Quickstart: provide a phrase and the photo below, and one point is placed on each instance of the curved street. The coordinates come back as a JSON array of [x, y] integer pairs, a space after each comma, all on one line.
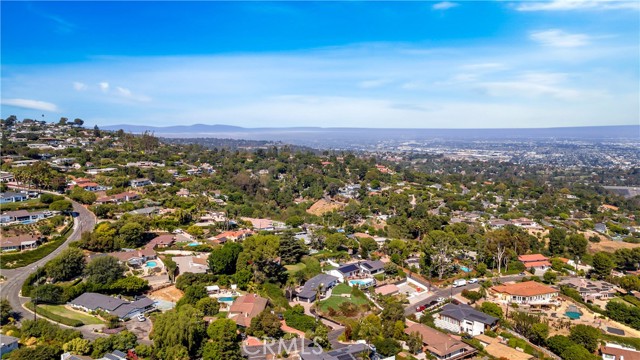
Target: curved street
[[84, 220]]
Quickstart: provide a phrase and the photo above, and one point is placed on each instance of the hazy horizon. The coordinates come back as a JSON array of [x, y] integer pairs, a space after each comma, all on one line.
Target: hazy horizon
[[487, 64]]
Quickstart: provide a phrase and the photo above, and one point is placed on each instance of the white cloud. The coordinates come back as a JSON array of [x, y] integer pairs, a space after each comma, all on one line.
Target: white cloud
[[559, 38], [30, 104], [126, 93], [104, 86], [444, 5], [374, 83], [78, 86], [568, 5]]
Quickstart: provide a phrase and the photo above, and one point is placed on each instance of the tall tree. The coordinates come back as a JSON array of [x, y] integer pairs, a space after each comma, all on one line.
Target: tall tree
[[224, 343], [104, 270]]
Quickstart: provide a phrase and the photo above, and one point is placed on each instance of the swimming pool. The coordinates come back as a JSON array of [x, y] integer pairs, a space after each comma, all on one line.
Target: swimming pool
[[193, 244], [573, 315], [151, 264], [226, 299], [465, 269], [361, 282]]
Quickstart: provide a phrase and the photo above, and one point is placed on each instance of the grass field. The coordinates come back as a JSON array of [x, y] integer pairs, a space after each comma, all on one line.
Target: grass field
[[335, 302], [62, 311], [295, 268], [341, 289]]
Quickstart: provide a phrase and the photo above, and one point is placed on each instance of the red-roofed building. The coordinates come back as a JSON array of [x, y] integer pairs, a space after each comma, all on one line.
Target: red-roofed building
[[538, 262], [527, 293]]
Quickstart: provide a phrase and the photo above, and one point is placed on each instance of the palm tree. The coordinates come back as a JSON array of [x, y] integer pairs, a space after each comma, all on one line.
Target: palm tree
[[318, 293]]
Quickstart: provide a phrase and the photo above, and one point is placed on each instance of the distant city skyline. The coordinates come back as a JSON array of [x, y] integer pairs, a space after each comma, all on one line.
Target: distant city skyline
[[491, 64]]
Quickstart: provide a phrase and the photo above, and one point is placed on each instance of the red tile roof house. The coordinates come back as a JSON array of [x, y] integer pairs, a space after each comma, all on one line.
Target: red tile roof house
[[118, 198], [538, 262], [619, 352], [526, 293], [245, 308], [440, 345]]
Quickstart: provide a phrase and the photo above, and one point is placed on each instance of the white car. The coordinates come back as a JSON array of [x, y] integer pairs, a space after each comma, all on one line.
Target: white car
[[473, 281], [459, 282], [141, 318], [440, 299]]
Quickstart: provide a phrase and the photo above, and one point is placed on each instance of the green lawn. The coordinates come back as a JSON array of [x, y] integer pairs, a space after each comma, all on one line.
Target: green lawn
[[335, 302], [295, 268], [341, 289], [61, 311]]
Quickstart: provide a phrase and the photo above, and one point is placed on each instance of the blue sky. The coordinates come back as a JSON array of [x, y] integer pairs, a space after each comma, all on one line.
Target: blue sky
[[466, 64]]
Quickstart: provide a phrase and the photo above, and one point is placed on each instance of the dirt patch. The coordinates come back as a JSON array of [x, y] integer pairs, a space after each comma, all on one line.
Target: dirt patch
[[323, 206], [610, 246], [169, 293]]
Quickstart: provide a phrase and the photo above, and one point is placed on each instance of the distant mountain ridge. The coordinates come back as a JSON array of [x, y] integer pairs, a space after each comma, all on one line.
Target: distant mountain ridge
[[204, 130]]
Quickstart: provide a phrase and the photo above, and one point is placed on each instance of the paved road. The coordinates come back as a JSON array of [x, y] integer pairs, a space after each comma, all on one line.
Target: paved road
[[449, 291], [84, 221]]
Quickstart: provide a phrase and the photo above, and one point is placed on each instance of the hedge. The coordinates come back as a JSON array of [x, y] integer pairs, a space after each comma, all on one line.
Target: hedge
[[57, 318]]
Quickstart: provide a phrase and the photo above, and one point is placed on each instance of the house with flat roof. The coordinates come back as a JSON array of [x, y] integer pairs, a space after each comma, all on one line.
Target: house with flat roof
[[440, 345], [118, 198], [309, 291], [246, 307], [464, 319], [136, 183], [590, 289], [526, 293]]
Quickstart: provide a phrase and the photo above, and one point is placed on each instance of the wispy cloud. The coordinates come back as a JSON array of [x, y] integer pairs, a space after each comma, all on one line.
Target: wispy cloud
[[78, 86], [104, 86], [126, 93], [373, 83], [559, 38], [568, 5], [30, 104], [444, 5]]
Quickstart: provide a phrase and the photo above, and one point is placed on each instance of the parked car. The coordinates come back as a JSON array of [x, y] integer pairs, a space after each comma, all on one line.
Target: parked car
[[459, 282], [141, 318], [473, 281], [441, 299]]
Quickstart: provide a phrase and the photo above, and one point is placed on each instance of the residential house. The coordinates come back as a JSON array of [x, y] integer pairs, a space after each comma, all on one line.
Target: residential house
[[246, 307], [389, 289], [498, 223], [590, 289], [7, 344], [162, 241], [231, 236], [322, 282], [118, 198], [538, 262], [11, 197], [192, 264], [19, 243], [345, 271], [134, 257], [24, 216], [121, 308], [349, 352], [265, 224], [601, 228], [441, 346], [6, 177], [371, 267], [148, 211], [464, 319], [606, 207], [526, 223], [612, 351], [136, 183], [183, 193], [115, 355], [526, 293]]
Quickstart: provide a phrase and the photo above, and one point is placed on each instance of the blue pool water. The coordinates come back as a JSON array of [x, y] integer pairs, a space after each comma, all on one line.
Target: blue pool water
[[226, 299], [151, 264], [573, 315], [194, 244], [465, 269], [361, 282]]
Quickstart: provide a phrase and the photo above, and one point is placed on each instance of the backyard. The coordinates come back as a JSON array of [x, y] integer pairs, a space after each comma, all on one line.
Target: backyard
[[338, 297]]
